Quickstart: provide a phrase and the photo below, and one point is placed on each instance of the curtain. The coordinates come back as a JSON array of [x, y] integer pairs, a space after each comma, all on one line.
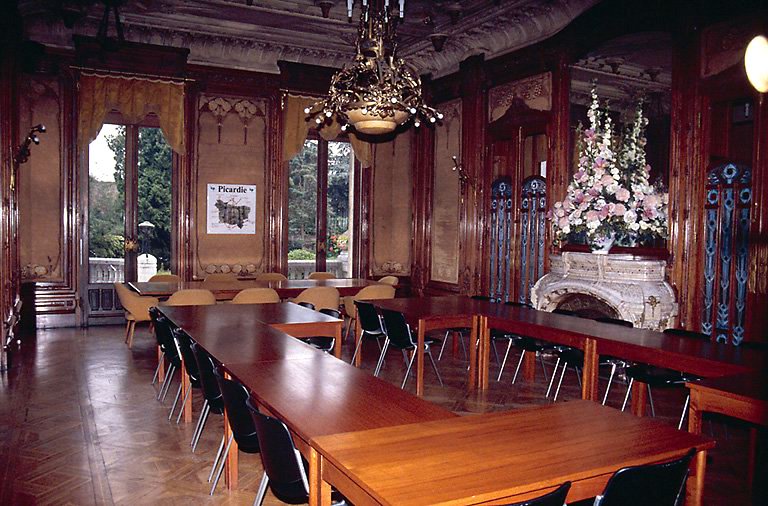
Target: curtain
[[296, 127], [134, 98]]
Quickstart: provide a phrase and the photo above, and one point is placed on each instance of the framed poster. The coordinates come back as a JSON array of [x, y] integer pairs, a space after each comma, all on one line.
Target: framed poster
[[231, 208]]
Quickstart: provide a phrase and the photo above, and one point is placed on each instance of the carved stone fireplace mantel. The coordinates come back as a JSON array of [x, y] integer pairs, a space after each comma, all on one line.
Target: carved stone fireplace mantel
[[632, 288]]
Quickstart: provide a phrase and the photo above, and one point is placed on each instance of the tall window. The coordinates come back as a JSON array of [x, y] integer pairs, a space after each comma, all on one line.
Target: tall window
[[320, 196]]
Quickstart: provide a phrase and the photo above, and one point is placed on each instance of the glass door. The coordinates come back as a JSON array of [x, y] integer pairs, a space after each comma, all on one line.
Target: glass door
[[320, 197], [128, 213]]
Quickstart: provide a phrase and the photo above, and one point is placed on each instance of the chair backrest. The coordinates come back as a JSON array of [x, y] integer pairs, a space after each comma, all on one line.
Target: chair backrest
[[321, 275], [389, 280], [165, 278], [615, 321], [205, 368], [554, 498], [164, 335], [335, 313], [368, 317], [182, 341], [271, 276], [134, 303], [220, 276], [397, 329], [373, 292], [320, 296], [256, 296], [281, 461], [687, 333], [191, 297], [306, 304], [240, 421], [657, 484]]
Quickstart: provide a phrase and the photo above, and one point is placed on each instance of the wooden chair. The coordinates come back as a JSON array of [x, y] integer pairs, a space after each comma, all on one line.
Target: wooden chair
[[389, 280], [165, 278], [219, 277], [322, 275], [191, 297], [256, 296], [271, 276], [320, 296], [136, 309], [658, 484]]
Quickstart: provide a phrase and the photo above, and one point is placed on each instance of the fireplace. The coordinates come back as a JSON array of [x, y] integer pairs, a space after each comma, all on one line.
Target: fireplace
[[615, 286]]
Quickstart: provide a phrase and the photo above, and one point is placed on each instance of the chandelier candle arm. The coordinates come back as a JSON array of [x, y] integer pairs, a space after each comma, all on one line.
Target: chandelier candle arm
[[377, 91]]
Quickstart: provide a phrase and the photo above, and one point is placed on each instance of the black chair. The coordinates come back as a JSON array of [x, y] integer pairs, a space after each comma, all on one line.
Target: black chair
[[243, 429], [285, 470], [658, 377], [657, 484], [165, 342], [524, 343], [323, 343], [458, 332], [399, 335], [615, 363], [307, 305], [554, 498], [566, 355], [370, 325], [213, 401], [182, 341]]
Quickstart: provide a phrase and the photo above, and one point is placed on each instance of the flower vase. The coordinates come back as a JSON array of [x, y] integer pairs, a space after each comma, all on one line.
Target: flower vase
[[601, 245]]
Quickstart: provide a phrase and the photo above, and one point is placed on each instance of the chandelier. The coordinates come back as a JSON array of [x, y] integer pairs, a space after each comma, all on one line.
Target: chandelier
[[378, 91]]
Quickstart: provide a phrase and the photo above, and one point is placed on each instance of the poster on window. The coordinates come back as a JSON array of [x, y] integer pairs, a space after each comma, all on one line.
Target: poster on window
[[231, 208]]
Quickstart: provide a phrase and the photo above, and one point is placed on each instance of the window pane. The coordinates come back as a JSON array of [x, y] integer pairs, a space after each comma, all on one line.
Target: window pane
[[106, 205], [302, 210], [154, 203], [340, 165]]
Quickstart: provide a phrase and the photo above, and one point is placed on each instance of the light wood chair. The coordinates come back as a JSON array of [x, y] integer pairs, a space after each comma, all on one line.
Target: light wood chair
[[191, 297], [220, 276], [136, 309], [389, 280], [271, 276], [165, 278], [256, 296], [371, 292], [322, 275], [322, 297]]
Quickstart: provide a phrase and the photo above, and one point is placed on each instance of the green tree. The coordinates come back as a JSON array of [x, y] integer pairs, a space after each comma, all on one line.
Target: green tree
[[302, 198]]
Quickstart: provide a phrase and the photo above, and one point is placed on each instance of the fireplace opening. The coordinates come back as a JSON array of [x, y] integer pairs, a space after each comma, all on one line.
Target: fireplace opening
[[587, 306]]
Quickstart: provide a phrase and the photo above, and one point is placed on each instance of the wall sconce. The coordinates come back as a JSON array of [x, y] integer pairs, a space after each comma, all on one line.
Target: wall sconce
[[22, 153], [756, 63], [464, 178]]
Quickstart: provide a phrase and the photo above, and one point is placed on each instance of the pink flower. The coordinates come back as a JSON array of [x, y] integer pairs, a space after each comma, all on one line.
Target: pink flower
[[604, 212], [606, 180], [593, 216], [589, 134], [619, 210], [650, 201], [622, 194], [562, 222], [593, 192]]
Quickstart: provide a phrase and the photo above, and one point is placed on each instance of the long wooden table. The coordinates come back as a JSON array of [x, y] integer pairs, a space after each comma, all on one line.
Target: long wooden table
[[742, 396], [510, 456], [226, 290]]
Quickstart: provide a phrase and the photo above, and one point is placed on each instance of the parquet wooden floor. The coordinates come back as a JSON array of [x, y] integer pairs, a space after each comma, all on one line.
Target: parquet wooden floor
[[79, 425]]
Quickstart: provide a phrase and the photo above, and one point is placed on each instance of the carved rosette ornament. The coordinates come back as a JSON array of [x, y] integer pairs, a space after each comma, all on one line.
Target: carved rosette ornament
[[635, 288]]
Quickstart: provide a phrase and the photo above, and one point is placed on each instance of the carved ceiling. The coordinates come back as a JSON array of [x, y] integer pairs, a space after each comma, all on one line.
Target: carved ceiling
[[233, 34]]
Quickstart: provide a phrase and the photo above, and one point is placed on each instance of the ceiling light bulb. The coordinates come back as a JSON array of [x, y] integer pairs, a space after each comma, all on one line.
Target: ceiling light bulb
[[343, 128], [416, 124], [756, 63], [318, 120], [432, 119], [439, 115], [307, 110], [328, 114], [393, 100]]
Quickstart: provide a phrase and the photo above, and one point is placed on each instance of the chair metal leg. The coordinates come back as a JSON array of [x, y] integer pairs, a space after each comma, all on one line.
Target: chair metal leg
[[262, 490], [184, 403], [650, 399], [552, 379], [221, 465], [685, 411], [559, 383], [495, 352], [626, 396], [165, 381], [357, 348], [445, 340], [543, 369], [200, 424], [610, 380], [504, 361], [216, 460], [167, 384], [408, 370], [175, 401], [381, 358], [519, 363], [157, 372], [578, 375], [434, 365]]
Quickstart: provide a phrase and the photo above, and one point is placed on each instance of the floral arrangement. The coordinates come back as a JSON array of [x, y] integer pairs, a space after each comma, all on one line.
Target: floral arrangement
[[610, 196]]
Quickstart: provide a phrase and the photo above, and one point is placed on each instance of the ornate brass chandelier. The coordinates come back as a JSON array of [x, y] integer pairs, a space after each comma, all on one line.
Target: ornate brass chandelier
[[378, 91]]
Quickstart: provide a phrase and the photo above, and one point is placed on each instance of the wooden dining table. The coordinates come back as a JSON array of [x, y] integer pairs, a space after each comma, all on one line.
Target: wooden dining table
[[509, 456], [320, 395], [226, 290]]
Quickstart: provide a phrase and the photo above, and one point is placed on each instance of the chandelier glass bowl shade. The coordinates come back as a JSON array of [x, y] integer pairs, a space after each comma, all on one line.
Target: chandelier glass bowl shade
[[756, 63], [377, 91]]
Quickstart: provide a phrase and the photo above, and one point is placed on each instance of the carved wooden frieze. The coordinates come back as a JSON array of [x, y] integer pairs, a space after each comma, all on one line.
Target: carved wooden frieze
[[536, 92]]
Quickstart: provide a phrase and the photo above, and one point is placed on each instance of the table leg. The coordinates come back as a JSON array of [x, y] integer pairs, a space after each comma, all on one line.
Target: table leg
[[639, 396], [529, 367], [161, 369], [695, 483], [475, 331], [337, 332], [420, 358], [484, 356], [230, 464], [319, 490], [187, 399], [694, 413], [358, 329], [589, 381]]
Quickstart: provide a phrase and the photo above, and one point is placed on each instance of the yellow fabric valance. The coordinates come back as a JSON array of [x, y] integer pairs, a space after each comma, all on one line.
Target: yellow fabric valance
[[296, 127], [134, 98]]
